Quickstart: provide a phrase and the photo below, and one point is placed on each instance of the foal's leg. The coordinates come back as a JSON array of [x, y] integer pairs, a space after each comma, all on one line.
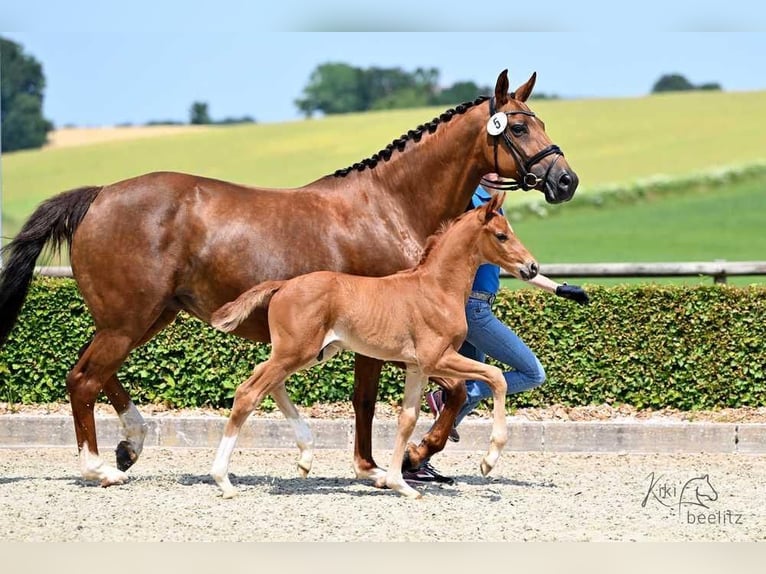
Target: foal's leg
[[303, 436], [436, 437], [408, 417], [302, 431], [266, 376], [453, 364], [366, 377]]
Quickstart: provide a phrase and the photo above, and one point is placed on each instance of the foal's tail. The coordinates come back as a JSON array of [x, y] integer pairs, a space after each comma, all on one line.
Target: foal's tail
[[229, 317], [55, 220]]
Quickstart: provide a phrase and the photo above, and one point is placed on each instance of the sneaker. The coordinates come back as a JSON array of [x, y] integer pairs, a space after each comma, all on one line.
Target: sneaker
[[426, 474], [435, 401]]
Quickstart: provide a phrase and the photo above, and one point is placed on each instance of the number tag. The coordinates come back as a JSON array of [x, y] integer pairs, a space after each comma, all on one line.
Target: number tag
[[497, 124]]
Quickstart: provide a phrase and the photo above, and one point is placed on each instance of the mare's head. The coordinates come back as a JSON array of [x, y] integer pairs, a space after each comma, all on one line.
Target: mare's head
[[498, 243], [520, 149]]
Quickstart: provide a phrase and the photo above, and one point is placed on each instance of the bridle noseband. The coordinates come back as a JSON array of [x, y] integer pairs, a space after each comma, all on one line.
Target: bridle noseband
[[528, 179]]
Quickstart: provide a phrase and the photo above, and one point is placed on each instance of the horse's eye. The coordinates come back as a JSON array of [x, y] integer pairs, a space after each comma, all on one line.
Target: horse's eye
[[501, 236], [518, 129]]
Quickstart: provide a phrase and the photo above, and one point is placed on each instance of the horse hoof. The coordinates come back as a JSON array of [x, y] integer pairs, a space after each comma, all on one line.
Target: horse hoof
[[229, 494], [126, 455], [485, 468], [303, 470], [113, 479], [380, 482]]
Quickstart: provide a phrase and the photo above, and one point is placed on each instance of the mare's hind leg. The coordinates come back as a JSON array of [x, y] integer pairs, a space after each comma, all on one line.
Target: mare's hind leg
[[85, 381], [436, 437], [366, 377], [128, 450]]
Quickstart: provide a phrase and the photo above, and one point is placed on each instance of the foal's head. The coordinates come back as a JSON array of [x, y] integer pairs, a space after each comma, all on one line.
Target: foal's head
[[498, 243]]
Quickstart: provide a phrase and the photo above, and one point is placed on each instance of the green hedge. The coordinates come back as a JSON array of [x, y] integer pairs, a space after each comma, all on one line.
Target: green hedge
[[648, 346]]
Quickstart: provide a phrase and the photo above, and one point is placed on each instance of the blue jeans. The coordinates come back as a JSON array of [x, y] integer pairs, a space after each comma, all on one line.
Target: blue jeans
[[487, 335]]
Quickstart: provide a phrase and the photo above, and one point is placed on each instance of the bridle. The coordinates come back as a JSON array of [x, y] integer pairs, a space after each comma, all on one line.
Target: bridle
[[528, 179]]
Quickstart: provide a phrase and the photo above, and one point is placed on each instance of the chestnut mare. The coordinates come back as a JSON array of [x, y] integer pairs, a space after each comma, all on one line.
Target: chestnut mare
[[145, 248], [415, 317]]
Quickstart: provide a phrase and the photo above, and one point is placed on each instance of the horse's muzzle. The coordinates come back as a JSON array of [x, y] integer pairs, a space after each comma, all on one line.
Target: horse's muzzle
[[561, 187], [529, 270]]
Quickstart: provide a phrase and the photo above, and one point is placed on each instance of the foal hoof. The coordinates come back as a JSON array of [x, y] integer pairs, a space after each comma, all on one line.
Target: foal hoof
[[126, 455], [485, 468], [113, 477], [303, 470]]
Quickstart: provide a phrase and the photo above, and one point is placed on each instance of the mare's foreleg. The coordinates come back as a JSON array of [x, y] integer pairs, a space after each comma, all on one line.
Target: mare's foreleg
[[366, 377], [436, 437]]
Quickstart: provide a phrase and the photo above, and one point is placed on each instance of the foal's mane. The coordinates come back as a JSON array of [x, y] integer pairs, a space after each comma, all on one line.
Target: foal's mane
[[415, 135], [434, 239]]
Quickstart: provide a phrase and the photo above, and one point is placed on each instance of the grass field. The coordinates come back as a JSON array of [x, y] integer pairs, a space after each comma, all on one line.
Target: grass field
[[606, 141], [722, 224]]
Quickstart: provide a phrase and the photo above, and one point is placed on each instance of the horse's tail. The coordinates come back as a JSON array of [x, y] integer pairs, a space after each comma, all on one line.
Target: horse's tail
[[229, 317], [55, 220]]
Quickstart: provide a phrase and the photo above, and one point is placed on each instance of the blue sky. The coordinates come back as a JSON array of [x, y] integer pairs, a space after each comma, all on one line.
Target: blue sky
[[108, 63]]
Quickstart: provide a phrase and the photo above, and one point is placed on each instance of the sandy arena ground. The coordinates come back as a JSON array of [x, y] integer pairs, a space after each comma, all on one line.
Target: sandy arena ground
[[529, 496]]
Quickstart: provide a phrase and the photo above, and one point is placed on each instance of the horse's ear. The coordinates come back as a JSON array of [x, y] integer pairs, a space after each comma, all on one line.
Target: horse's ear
[[525, 90], [493, 205], [501, 89]]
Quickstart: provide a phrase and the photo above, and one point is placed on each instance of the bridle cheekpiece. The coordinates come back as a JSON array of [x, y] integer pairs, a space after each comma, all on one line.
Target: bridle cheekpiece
[[497, 127]]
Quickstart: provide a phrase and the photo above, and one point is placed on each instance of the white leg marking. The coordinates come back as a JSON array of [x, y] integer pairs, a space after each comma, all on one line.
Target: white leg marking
[[303, 436], [93, 468], [499, 435], [220, 470], [135, 428], [413, 391]]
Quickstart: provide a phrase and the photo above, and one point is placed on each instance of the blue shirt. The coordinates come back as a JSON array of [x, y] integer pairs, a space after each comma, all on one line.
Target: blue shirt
[[487, 277]]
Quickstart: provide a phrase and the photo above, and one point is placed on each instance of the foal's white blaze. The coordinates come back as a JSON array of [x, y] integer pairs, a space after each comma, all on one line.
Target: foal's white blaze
[[220, 470], [93, 468], [135, 427]]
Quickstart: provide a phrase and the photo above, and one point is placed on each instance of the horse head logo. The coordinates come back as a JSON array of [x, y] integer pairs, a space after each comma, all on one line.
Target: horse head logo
[[697, 492]]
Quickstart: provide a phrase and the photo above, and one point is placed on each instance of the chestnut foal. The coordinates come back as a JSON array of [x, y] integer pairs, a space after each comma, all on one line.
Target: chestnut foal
[[416, 317]]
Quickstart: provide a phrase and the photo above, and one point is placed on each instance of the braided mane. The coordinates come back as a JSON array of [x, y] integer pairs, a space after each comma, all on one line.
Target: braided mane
[[415, 135]]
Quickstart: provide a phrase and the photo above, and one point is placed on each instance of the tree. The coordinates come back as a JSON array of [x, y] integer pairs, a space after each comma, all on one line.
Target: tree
[[21, 103], [457, 93], [677, 83], [333, 88], [198, 113]]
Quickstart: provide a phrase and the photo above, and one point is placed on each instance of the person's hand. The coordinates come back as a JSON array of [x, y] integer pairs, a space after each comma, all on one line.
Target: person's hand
[[573, 292]]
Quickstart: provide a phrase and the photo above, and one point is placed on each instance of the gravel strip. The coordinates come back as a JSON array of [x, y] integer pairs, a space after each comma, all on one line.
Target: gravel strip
[[530, 496]]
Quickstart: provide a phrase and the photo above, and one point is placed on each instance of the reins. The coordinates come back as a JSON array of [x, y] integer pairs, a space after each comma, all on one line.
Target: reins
[[497, 127]]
